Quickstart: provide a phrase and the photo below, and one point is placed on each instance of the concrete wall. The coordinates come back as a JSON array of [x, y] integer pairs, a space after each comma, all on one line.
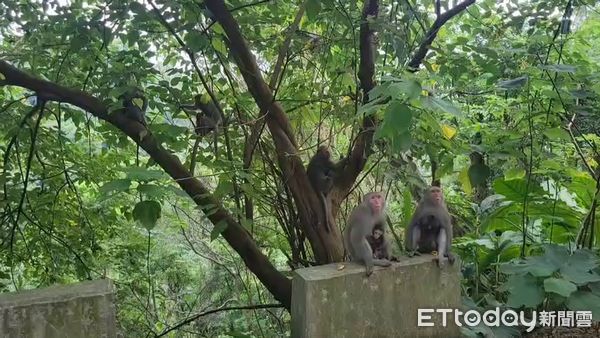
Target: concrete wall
[[328, 302], [83, 310]]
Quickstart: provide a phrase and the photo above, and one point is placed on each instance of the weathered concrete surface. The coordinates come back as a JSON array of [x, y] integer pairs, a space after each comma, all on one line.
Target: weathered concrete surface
[[83, 310], [327, 302]]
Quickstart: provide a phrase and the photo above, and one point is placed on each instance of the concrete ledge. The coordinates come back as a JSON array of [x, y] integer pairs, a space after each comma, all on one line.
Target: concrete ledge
[[327, 302], [79, 310]]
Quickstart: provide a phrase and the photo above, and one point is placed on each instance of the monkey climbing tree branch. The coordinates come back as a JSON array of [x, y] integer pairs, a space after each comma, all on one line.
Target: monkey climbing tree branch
[[326, 246], [234, 233]]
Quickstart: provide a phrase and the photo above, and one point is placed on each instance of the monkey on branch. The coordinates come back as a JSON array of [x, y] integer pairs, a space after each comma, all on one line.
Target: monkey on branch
[[208, 118], [321, 171], [135, 105]]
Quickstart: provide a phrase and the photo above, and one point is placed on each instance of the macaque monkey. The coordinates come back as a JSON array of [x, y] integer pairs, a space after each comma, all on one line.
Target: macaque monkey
[[363, 219], [207, 115], [431, 228], [135, 105], [321, 171], [379, 244]]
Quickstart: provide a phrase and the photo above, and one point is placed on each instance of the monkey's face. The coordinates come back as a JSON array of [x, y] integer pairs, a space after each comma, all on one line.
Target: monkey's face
[[376, 202], [377, 233], [435, 195], [323, 151]]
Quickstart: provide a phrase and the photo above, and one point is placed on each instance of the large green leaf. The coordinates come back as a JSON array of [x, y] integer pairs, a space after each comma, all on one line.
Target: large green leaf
[[478, 174], [398, 118], [436, 104], [560, 286], [116, 186], [524, 290], [516, 189], [147, 213], [585, 301]]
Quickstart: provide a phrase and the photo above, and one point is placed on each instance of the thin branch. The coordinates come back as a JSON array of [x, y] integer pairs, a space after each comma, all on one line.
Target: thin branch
[[219, 309], [440, 20]]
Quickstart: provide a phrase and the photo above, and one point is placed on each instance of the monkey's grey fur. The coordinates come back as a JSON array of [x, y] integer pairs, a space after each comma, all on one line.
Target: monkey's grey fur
[[431, 228], [360, 225]]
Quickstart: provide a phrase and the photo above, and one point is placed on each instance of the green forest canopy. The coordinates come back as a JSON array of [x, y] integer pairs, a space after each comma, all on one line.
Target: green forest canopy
[[496, 100]]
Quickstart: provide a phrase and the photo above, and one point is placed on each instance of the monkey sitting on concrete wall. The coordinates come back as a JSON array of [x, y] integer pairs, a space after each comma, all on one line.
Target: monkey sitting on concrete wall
[[362, 221], [431, 228]]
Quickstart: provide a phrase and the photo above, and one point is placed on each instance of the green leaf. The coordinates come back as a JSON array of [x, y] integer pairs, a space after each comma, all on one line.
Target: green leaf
[[218, 229], [436, 104], [196, 41], [559, 68], [116, 186], [147, 213], [152, 190], [557, 134], [401, 143], [143, 174], [465, 181], [559, 286], [313, 7], [479, 173], [578, 276], [398, 117], [595, 288], [585, 301], [514, 83], [514, 173], [219, 46], [524, 290], [410, 89], [515, 190]]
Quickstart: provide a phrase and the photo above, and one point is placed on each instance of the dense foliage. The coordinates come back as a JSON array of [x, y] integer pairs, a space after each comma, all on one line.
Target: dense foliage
[[497, 100]]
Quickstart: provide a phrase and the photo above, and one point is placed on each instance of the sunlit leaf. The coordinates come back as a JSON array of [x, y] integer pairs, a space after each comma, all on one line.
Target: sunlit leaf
[[448, 131]]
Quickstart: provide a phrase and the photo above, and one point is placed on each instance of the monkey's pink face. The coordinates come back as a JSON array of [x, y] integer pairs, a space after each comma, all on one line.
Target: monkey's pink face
[[376, 202], [436, 195]]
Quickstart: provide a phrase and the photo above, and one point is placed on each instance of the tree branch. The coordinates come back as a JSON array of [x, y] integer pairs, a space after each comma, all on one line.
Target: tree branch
[[259, 124], [234, 234], [357, 159], [219, 309], [440, 20], [326, 246]]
